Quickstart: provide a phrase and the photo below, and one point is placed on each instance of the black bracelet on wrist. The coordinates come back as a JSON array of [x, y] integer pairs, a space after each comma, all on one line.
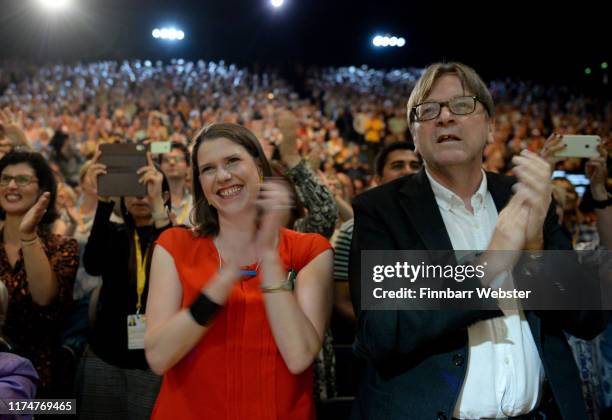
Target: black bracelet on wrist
[[603, 203], [203, 310]]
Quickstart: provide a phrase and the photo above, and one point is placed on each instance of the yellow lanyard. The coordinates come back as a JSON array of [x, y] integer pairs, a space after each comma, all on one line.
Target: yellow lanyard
[[183, 213], [141, 272]]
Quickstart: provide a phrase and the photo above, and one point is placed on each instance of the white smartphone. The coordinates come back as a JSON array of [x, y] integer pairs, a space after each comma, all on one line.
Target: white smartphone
[[160, 147], [579, 146]]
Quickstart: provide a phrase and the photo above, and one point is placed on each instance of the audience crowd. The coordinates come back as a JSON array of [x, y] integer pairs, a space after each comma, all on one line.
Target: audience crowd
[[331, 144]]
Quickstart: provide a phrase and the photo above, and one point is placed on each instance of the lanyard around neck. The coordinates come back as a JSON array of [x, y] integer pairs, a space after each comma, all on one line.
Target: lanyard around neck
[[183, 213], [141, 274]]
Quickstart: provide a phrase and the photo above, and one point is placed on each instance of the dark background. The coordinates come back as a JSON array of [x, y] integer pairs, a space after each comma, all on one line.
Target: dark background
[[551, 42]]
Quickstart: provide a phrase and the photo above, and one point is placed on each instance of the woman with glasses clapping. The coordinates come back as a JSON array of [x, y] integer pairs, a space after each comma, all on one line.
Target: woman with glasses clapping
[[37, 267]]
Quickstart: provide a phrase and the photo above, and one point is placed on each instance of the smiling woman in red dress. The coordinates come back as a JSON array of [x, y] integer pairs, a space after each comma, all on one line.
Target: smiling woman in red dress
[[230, 326]]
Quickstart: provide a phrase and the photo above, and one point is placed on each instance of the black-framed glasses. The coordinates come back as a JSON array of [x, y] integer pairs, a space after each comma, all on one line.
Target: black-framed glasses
[[459, 105], [20, 180]]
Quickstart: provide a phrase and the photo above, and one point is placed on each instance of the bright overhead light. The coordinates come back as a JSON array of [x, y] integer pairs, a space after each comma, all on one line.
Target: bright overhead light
[[388, 41], [277, 3], [54, 4], [171, 34]]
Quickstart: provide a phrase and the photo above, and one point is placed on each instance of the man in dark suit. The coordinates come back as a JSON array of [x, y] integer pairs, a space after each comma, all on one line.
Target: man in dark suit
[[458, 363]]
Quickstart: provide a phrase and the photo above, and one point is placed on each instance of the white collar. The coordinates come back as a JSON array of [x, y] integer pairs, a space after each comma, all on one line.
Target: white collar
[[448, 199]]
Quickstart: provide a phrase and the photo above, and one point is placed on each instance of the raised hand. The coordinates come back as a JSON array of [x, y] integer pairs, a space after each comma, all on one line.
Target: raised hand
[[288, 126], [13, 127], [597, 172], [552, 145], [96, 169], [510, 232], [32, 218], [534, 175], [275, 201], [153, 179]]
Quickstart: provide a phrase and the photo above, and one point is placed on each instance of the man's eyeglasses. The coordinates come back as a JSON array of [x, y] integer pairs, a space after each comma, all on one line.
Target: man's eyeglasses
[[460, 105], [20, 180], [175, 159]]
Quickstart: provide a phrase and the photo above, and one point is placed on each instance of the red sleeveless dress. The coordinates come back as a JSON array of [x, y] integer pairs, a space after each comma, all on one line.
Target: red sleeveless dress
[[235, 372]]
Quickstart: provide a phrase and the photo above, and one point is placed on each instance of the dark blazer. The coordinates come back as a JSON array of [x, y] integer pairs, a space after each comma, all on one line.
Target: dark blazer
[[417, 360]]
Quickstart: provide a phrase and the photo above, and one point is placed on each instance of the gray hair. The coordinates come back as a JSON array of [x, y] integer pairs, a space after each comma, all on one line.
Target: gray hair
[[470, 80]]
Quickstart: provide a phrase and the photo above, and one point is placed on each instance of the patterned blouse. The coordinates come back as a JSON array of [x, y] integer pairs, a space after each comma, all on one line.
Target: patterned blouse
[[321, 219], [318, 200], [35, 330]]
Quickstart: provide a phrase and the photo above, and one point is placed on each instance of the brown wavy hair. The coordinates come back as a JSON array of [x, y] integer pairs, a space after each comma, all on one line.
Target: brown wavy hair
[[205, 218]]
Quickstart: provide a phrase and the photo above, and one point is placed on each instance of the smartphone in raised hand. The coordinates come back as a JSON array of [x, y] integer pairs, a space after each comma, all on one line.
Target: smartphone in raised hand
[[122, 161], [579, 146], [160, 147]]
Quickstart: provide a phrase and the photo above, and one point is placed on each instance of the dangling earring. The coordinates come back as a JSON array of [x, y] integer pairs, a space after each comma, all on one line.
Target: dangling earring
[[261, 178]]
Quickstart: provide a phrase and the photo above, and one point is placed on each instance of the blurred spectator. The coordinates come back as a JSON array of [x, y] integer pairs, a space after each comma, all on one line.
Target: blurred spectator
[[393, 161], [17, 375], [176, 166], [65, 157], [11, 132]]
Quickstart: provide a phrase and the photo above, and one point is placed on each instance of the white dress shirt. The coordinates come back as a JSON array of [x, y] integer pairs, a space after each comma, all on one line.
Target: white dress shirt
[[504, 372]]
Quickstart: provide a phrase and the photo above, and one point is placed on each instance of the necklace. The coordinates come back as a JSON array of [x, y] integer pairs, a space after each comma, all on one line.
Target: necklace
[[243, 272]]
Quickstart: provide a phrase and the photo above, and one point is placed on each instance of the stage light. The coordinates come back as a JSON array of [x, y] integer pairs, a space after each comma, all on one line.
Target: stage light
[[54, 4], [587, 71], [277, 3], [170, 34], [604, 65], [388, 41]]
